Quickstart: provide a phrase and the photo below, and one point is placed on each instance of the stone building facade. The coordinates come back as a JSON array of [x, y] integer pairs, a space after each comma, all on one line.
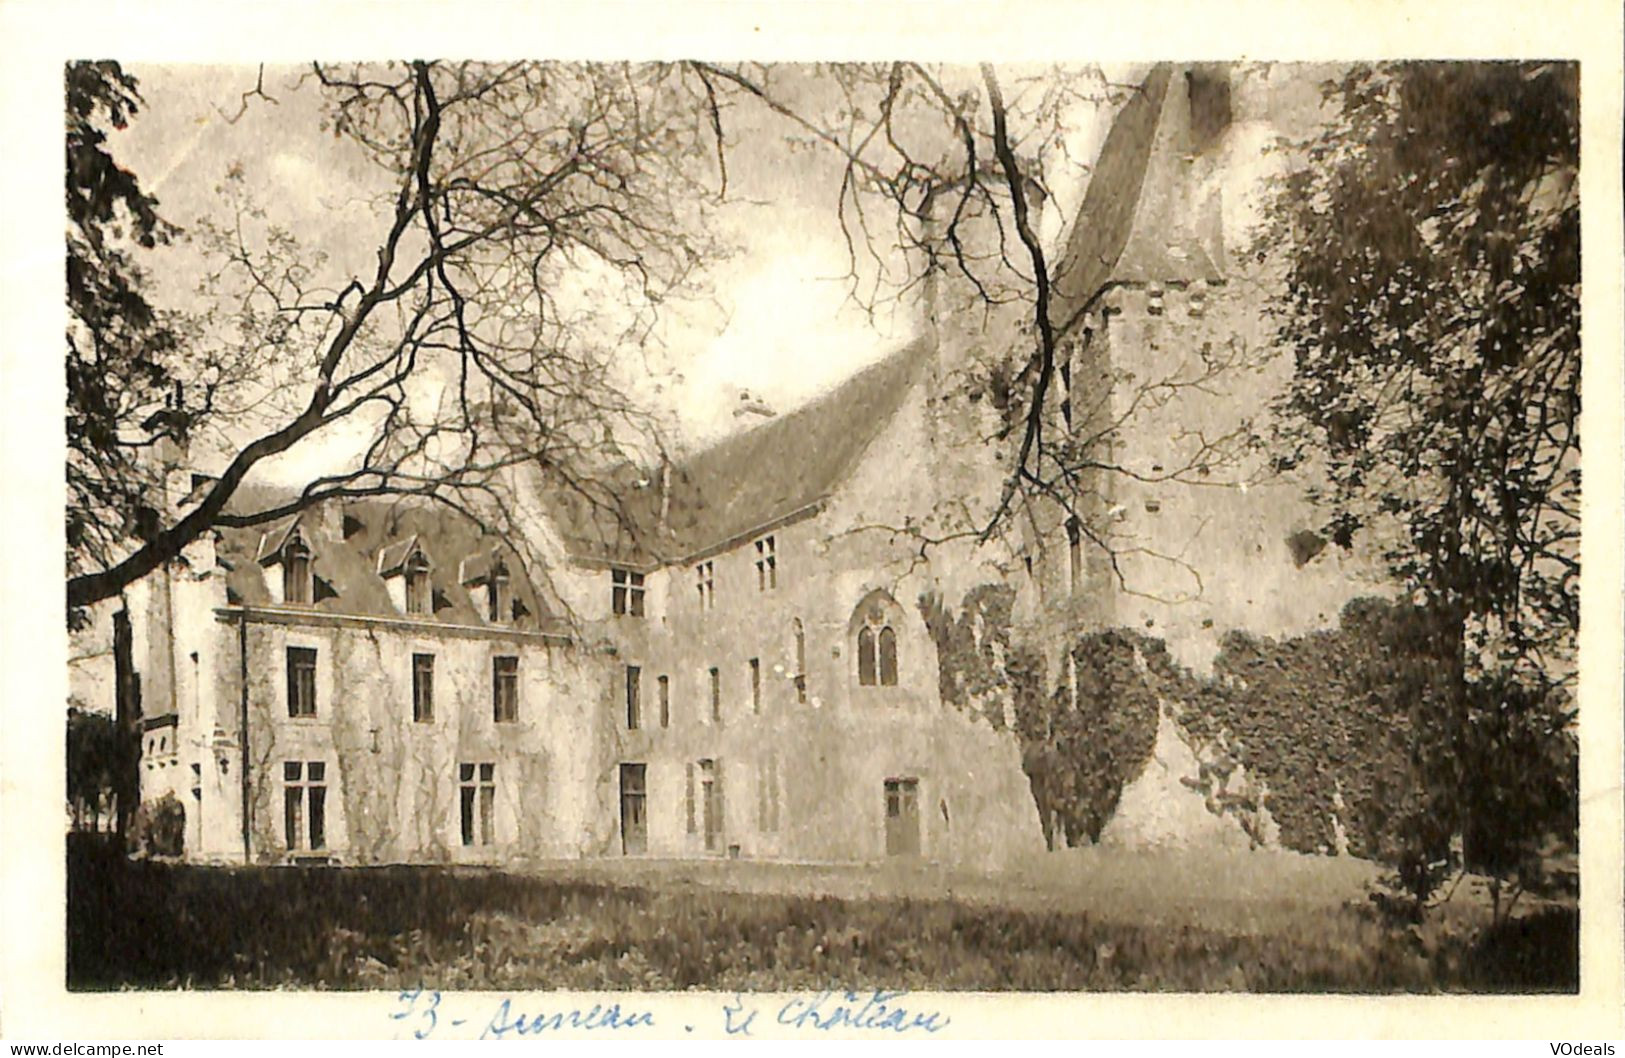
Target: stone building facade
[[739, 662]]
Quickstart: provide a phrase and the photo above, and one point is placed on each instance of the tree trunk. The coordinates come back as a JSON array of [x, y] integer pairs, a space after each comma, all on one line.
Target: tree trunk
[[126, 761]]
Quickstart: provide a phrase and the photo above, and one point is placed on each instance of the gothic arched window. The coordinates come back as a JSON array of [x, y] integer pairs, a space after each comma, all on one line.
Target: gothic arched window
[[888, 657], [873, 629], [866, 657]]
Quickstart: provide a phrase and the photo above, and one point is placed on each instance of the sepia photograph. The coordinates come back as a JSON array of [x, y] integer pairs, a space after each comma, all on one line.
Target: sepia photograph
[[1187, 487], [844, 533]]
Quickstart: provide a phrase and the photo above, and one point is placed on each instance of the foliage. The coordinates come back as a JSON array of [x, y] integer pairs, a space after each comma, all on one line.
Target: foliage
[[1320, 720], [1321, 725], [1079, 748], [972, 649], [1096, 737], [120, 349], [531, 221], [97, 751], [149, 924], [1433, 307], [160, 827]]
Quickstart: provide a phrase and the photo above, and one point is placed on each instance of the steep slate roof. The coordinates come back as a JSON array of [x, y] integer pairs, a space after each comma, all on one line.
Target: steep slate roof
[[786, 464], [1138, 222], [748, 481], [350, 564], [393, 557]]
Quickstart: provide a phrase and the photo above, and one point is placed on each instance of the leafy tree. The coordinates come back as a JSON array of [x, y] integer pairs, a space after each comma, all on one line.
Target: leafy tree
[[96, 753], [1432, 304], [120, 348]]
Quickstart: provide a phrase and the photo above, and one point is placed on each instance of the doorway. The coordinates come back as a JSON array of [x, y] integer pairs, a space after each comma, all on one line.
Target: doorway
[[902, 817], [634, 809]]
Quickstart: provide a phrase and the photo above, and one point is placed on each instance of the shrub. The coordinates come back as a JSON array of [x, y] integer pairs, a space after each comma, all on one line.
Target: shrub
[[160, 827]]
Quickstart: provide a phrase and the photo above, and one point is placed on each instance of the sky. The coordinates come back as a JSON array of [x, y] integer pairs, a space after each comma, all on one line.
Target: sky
[[781, 323]]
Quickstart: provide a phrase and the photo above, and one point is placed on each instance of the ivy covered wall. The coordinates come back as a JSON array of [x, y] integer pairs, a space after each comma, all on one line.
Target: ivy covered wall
[[1304, 741]]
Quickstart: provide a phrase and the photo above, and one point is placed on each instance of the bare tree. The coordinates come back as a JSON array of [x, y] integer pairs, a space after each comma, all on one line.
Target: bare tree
[[537, 217], [944, 174]]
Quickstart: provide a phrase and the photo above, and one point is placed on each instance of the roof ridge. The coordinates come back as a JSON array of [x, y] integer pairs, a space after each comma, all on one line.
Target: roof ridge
[[759, 475], [912, 348]]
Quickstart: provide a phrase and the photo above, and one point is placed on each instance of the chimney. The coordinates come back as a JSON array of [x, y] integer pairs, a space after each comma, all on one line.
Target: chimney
[[1208, 85], [750, 404]]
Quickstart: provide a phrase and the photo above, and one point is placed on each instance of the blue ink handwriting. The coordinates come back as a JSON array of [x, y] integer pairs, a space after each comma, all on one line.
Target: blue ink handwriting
[[872, 1012]]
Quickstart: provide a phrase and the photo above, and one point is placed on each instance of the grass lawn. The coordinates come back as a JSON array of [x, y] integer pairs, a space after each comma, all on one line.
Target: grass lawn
[[1081, 919]]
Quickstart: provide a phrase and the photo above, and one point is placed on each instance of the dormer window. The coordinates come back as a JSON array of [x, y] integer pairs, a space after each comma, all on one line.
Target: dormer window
[[498, 591], [626, 593], [419, 594], [296, 572]]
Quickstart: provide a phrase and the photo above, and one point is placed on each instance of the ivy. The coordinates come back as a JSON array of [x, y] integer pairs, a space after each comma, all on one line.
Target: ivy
[[1308, 741]]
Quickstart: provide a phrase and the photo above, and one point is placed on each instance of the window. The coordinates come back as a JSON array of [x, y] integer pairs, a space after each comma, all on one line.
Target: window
[[756, 685], [888, 657], [423, 688], [419, 598], [626, 592], [705, 583], [498, 591], [665, 701], [866, 657], [711, 812], [688, 800], [301, 681], [767, 565], [1066, 389], [478, 790], [505, 689], [1074, 553], [716, 696], [634, 695], [304, 804], [800, 652], [877, 643], [296, 572]]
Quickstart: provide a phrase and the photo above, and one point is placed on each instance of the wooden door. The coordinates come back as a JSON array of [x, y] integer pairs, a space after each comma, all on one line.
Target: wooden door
[[902, 817], [634, 809]]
